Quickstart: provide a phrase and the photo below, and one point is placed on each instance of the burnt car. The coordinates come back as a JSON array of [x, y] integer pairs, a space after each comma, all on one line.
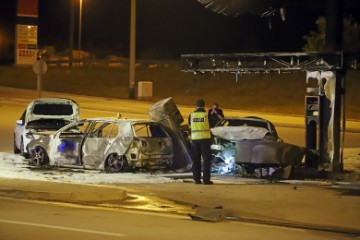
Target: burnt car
[[42, 117], [251, 143], [113, 145]]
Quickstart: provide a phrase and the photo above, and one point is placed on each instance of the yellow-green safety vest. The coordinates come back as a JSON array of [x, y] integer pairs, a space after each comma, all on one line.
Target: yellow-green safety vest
[[200, 127]]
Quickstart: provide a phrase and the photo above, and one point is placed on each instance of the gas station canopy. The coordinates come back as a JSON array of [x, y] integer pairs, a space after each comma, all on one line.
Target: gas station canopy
[[262, 62]]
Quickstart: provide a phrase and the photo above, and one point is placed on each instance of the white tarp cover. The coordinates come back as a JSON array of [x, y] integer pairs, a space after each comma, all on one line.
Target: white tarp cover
[[329, 89], [239, 133]]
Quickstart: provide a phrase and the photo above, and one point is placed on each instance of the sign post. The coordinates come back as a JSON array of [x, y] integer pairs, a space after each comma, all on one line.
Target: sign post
[[39, 69]]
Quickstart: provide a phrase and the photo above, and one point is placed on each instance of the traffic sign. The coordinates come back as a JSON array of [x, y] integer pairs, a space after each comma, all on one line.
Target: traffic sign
[[40, 67]]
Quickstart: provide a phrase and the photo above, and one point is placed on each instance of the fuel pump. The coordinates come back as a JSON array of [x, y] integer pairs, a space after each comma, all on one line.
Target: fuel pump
[[314, 136], [317, 117]]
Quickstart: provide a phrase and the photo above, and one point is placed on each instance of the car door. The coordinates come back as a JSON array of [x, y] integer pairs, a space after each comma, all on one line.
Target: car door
[[97, 142], [66, 145], [153, 139]]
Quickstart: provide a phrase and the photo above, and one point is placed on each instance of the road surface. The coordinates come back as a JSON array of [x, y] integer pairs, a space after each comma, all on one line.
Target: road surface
[[22, 219], [14, 101]]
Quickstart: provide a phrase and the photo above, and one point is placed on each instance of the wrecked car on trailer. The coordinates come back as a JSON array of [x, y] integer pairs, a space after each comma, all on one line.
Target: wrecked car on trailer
[[253, 144], [113, 145]]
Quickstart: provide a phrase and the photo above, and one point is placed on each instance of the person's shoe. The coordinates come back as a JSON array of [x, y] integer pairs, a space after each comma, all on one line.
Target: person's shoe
[[198, 182], [208, 182]]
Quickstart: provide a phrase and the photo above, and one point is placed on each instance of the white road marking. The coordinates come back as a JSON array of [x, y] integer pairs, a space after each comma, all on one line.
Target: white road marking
[[62, 228]]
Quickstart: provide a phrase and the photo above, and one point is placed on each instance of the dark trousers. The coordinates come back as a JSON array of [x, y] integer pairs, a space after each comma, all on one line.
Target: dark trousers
[[201, 148]]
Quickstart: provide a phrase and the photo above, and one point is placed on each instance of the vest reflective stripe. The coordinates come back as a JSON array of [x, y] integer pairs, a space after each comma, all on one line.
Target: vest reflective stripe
[[200, 127]]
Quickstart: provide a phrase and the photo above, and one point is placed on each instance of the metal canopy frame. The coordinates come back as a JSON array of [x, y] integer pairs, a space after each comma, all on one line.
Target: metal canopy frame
[[259, 63], [262, 62]]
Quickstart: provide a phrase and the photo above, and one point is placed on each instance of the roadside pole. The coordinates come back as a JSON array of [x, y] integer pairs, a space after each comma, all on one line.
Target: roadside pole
[[132, 49], [39, 69]]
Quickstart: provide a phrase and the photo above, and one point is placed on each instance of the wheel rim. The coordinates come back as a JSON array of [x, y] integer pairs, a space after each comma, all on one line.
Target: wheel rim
[[38, 156], [115, 163]]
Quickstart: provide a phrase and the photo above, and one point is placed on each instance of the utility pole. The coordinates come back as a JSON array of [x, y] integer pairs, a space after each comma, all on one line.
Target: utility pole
[[334, 31], [80, 27], [132, 49], [71, 34]]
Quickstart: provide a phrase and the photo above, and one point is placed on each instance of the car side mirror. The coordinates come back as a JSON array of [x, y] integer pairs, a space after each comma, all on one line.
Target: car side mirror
[[19, 122]]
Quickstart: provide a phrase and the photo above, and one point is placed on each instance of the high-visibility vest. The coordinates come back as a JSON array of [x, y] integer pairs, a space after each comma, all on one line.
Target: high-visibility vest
[[200, 127]]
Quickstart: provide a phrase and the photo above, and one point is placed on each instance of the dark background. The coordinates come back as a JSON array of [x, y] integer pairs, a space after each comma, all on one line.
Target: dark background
[[166, 28]]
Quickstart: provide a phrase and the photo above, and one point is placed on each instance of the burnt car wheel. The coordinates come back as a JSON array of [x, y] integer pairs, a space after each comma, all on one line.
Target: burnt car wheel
[[39, 157], [116, 163]]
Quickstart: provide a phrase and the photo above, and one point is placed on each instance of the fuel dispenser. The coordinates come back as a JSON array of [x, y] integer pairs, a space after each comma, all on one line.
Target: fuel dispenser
[[316, 121], [313, 134]]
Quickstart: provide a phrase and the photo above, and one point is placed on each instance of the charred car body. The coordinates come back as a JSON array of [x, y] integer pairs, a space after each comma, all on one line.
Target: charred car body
[[113, 145], [42, 117], [253, 144]]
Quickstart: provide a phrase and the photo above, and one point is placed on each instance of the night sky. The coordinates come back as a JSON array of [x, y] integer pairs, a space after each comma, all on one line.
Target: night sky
[[166, 28]]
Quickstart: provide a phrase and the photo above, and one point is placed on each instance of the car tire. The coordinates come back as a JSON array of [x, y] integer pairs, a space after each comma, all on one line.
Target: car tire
[[39, 157], [116, 163], [16, 150]]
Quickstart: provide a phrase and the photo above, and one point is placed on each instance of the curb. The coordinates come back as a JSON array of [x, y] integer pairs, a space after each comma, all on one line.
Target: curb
[[64, 192], [84, 197]]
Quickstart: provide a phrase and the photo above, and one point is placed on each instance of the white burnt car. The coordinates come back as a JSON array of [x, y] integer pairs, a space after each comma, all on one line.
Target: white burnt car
[[251, 143], [113, 145], [43, 116]]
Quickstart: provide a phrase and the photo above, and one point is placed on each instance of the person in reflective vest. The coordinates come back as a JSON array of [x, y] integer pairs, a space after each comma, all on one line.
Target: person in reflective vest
[[200, 143]]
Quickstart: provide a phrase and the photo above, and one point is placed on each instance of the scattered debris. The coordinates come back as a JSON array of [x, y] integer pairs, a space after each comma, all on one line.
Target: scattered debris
[[216, 214]]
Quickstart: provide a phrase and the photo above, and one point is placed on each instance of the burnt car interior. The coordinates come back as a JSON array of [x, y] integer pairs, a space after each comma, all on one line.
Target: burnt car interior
[[151, 138], [143, 130], [71, 139], [47, 124]]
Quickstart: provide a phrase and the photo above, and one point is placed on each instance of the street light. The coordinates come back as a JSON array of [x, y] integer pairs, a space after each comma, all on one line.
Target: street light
[[80, 24], [71, 35]]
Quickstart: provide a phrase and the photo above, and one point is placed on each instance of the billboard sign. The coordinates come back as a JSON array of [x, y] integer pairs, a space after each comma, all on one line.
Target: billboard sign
[[26, 44]]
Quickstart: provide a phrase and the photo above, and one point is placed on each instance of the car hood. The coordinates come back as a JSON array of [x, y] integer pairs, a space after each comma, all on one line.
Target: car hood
[[31, 116], [239, 133]]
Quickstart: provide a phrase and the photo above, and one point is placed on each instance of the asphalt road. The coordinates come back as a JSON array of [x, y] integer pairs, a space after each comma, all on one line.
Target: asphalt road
[[22, 219], [14, 101]]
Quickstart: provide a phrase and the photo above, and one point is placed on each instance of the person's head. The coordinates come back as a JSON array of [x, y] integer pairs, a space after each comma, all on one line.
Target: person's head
[[200, 103], [215, 105]]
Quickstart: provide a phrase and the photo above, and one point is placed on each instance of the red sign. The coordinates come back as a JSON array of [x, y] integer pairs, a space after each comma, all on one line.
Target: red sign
[[21, 46], [27, 8]]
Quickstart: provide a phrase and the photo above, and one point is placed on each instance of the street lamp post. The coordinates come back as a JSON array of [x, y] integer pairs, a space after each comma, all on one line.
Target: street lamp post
[[71, 38], [80, 26], [132, 49]]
